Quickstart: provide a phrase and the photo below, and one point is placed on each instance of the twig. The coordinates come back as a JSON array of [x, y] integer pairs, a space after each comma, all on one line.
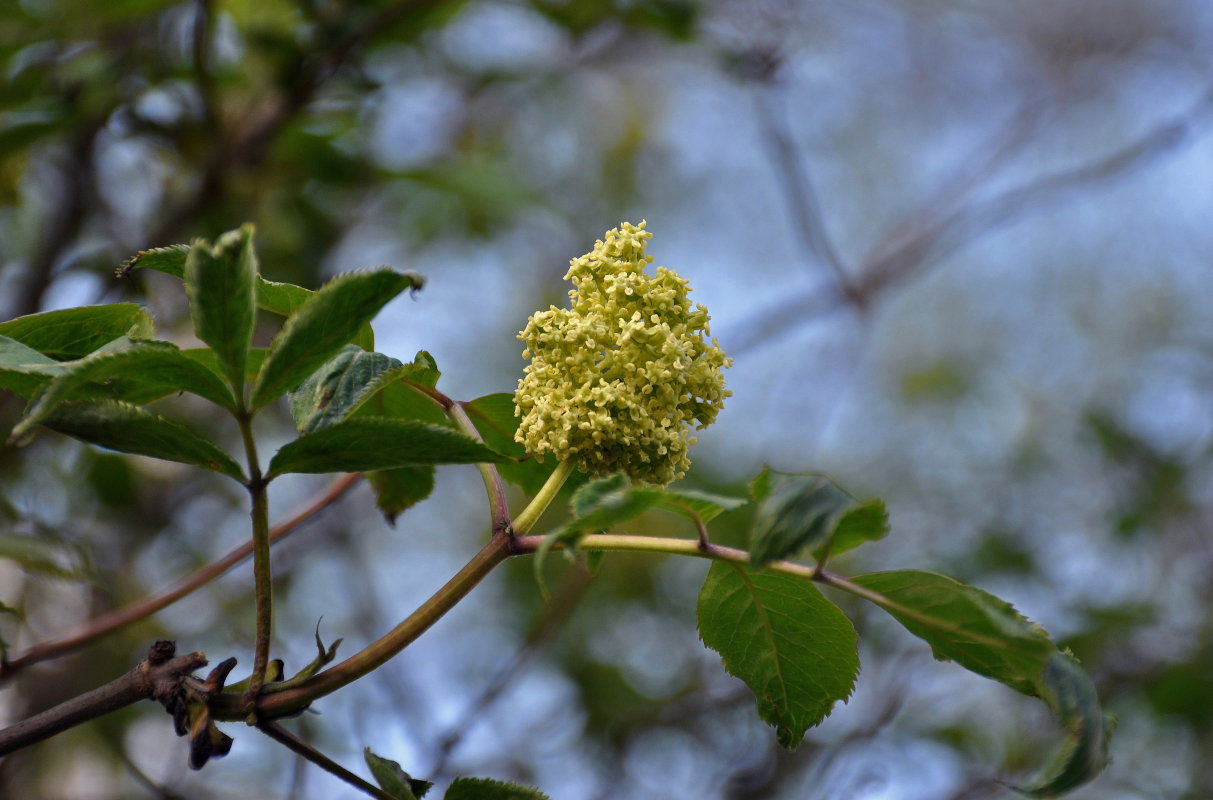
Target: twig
[[200, 53], [145, 780], [294, 743], [67, 218], [106, 623], [895, 260], [983, 216], [157, 676], [248, 146], [499, 510], [558, 611], [382, 650], [263, 587], [793, 175]]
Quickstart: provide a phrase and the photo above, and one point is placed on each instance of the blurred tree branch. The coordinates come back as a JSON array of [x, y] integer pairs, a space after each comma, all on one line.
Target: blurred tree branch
[[299, 747], [916, 244], [564, 601]]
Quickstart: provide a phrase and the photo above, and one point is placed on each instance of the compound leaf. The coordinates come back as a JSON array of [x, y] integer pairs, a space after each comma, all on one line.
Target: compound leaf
[[282, 299]]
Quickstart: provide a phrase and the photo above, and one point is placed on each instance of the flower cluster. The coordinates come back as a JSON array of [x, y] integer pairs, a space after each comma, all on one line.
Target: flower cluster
[[618, 380]]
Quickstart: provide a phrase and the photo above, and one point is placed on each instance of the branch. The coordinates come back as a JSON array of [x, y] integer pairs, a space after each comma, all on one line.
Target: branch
[[66, 219], [111, 621], [499, 510], [160, 675], [247, 146], [694, 547], [950, 232], [557, 613], [263, 585], [292, 701], [294, 743], [911, 249], [793, 175]]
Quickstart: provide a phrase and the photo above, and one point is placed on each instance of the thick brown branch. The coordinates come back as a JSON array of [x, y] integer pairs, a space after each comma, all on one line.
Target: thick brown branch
[[159, 675]]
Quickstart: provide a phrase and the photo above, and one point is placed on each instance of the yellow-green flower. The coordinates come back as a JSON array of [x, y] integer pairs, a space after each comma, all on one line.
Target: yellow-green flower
[[618, 380]]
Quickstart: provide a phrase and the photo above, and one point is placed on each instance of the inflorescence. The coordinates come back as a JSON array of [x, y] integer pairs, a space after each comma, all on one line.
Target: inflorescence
[[618, 380]]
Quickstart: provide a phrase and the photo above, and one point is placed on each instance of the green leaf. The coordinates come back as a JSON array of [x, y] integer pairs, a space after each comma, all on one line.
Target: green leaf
[[24, 370], [285, 299], [219, 283], [611, 500], [130, 429], [207, 358], [399, 393], [1068, 690], [357, 383], [72, 333], [336, 388], [962, 623], [322, 325], [608, 501], [141, 373], [282, 299], [694, 504], [796, 650], [802, 512], [399, 489], [988, 636], [493, 416], [489, 789], [358, 445], [866, 522], [169, 260], [394, 780]]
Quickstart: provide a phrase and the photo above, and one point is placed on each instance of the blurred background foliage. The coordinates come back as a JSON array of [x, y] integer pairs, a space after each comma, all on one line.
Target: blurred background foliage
[[960, 251]]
